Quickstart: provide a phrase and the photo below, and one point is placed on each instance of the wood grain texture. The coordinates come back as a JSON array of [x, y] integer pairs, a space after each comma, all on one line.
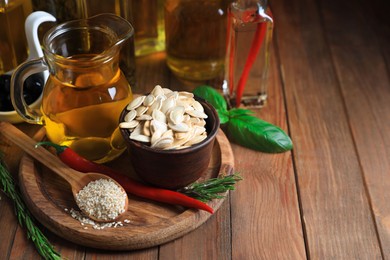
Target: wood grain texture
[[151, 70], [328, 198], [335, 206], [209, 241], [213, 237], [151, 224], [265, 210], [8, 223], [378, 11], [10, 230], [366, 97]]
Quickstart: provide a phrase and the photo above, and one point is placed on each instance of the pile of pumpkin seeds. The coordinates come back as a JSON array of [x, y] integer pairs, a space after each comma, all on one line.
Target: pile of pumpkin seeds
[[166, 119]]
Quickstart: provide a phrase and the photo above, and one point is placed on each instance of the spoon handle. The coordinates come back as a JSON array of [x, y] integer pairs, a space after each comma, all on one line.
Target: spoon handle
[[39, 153]]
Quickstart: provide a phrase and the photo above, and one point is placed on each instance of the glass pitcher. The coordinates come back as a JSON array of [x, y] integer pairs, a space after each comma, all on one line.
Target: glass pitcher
[[85, 91]]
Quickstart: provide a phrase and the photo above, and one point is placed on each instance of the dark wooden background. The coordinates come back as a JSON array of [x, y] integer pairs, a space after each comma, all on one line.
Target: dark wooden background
[[327, 199]]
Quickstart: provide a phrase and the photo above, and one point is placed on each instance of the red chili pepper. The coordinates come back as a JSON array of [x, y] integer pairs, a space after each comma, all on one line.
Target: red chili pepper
[[253, 52], [79, 163], [230, 43]]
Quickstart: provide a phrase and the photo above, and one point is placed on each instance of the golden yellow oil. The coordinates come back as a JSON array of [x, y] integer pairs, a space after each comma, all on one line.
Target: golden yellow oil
[[196, 37], [13, 43], [148, 19], [240, 40], [87, 118]]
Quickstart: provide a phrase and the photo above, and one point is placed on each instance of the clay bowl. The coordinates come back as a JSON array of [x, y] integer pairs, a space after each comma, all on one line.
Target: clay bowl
[[173, 169]]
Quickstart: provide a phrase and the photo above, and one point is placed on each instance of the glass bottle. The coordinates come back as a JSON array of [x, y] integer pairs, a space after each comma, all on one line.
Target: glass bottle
[[250, 27], [148, 21], [13, 42], [196, 37]]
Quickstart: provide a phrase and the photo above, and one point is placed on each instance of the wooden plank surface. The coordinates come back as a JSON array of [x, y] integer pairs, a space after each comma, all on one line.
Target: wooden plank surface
[[335, 206], [10, 230], [328, 198], [366, 97], [212, 239], [265, 210]]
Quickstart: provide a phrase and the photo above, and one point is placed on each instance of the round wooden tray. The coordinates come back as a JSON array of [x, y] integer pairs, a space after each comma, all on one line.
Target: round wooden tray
[[151, 223]]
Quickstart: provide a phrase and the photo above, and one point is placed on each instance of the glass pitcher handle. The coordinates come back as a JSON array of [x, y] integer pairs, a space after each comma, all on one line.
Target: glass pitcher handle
[[17, 83]]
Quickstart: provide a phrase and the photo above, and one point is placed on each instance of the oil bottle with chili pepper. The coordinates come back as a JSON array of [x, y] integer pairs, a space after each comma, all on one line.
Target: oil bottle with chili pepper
[[249, 34]]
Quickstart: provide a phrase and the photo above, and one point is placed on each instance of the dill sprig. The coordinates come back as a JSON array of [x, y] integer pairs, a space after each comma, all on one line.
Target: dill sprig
[[212, 188], [42, 244]]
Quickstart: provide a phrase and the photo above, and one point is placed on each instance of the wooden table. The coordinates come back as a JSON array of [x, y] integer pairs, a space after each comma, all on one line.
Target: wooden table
[[327, 199]]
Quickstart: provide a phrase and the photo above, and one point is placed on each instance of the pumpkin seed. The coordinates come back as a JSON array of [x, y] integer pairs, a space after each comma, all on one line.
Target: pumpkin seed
[[163, 142], [167, 90], [159, 116], [168, 133], [196, 113], [156, 135], [158, 126], [196, 139], [146, 128], [136, 103], [149, 100], [140, 138], [131, 115], [128, 125], [141, 110], [186, 94], [176, 115], [157, 91], [181, 127], [156, 104], [166, 119], [144, 117], [197, 106], [167, 104]]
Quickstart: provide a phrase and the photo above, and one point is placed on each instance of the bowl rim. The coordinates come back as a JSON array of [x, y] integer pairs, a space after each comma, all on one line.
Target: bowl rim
[[209, 138]]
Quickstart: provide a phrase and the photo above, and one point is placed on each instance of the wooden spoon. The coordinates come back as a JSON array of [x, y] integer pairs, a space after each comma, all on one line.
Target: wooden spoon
[[77, 180]]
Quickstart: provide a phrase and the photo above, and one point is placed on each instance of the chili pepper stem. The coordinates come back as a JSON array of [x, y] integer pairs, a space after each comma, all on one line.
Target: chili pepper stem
[[57, 147]]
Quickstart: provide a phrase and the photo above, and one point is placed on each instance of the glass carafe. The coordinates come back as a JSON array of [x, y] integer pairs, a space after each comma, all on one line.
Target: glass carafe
[[81, 9], [250, 27], [85, 91]]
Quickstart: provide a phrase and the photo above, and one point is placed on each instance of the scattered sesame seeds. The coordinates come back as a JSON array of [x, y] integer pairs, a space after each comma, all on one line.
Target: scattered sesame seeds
[[102, 199], [95, 225]]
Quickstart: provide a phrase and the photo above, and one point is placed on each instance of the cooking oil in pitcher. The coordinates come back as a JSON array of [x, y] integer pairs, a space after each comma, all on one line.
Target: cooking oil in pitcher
[[86, 90], [85, 116]]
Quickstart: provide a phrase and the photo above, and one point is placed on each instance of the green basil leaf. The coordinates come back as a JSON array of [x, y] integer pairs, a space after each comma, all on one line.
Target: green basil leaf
[[223, 116], [234, 112], [212, 96], [257, 134]]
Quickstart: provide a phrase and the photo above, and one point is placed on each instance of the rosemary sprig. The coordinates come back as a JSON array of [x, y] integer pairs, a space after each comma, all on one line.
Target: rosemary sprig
[[42, 244], [212, 188]]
